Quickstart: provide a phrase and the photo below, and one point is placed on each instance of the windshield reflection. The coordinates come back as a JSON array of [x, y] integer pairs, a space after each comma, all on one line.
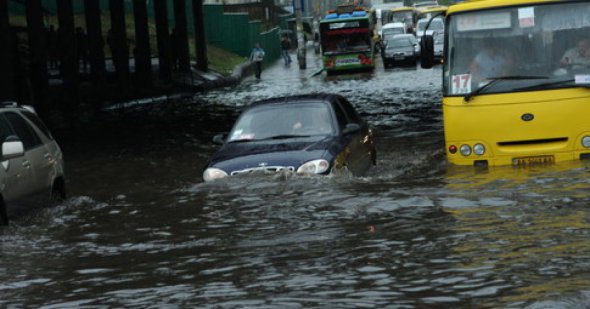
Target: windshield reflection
[[283, 120]]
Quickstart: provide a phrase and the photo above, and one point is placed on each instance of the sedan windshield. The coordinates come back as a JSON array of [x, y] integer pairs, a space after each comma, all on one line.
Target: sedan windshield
[[544, 46], [282, 121]]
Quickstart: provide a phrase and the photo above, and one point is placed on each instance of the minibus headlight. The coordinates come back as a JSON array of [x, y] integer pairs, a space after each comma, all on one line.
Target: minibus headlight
[[465, 150], [586, 141], [479, 149]]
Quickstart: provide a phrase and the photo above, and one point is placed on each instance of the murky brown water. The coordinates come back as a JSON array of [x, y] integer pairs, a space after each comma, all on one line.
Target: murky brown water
[[141, 230]]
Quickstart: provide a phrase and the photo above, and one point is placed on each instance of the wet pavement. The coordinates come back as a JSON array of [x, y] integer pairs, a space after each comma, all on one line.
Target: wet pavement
[[140, 228]]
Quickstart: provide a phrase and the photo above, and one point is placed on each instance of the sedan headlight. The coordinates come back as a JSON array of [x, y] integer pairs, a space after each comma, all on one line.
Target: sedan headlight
[[314, 167], [213, 173]]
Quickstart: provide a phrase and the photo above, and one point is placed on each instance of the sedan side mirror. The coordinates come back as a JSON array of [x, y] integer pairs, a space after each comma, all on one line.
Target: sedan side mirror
[[12, 148], [351, 128], [219, 139]]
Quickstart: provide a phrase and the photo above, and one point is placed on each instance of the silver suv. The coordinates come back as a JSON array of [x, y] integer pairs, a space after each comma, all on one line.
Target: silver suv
[[31, 162]]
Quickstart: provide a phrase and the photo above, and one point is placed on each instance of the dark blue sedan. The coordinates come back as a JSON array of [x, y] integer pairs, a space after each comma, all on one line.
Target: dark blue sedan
[[306, 134]]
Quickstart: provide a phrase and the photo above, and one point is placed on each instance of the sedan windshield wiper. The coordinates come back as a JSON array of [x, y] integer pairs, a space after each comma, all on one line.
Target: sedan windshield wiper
[[286, 136], [243, 140], [281, 136], [494, 80]]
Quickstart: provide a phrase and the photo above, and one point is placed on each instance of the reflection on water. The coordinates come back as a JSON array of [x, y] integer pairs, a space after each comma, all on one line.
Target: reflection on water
[[142, 230]]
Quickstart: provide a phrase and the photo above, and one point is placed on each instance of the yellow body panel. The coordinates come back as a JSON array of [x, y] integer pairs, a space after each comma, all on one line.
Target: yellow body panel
[[403, 9], [434, 9], [486, 4], [496, 121]]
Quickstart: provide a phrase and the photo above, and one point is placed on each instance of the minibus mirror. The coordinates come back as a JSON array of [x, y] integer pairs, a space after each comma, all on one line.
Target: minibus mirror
[[427, 52]]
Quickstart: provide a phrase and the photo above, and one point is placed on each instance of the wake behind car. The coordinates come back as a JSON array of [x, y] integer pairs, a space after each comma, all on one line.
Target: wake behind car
[[32, 171], [306, 134]]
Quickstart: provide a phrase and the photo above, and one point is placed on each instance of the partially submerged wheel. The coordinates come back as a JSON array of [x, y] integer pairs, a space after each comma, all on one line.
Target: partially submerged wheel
[[58, 191], [3, 214]]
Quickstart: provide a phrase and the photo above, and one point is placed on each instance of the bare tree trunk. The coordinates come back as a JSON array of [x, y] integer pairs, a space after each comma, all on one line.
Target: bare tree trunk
[[200, 41]]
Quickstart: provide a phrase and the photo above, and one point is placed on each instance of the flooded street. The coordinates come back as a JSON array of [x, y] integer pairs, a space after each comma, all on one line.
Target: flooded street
[[140, 229]]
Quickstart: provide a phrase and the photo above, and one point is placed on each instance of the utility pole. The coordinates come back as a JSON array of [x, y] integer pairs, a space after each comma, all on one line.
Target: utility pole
[[200, 40], [300, 35]]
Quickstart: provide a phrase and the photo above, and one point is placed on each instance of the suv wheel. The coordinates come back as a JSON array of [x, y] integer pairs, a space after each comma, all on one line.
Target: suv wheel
[[58, 191], [3, 215]]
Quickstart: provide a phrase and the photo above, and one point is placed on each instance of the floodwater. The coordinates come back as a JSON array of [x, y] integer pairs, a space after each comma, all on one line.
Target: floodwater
[[140, 228]]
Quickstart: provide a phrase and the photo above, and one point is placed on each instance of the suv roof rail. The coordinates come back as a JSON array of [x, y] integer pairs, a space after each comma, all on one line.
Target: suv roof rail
[[30, 108], [9, 104]]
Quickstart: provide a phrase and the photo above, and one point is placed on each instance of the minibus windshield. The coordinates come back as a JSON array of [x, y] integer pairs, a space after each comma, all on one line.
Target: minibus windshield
[[549, 40]]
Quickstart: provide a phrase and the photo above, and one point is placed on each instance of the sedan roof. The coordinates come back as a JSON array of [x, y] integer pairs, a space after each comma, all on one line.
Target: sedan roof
[[297, 99]]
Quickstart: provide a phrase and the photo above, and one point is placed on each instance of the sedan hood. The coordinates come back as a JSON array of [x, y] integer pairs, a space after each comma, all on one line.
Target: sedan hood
[[284, 153]]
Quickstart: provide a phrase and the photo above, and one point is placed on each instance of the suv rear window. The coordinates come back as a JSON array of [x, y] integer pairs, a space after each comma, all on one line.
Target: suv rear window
[[23, 130], [37, 121], [5, 129]]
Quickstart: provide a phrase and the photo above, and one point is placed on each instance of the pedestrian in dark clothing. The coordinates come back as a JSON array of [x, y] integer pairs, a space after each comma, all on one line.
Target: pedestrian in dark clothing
[[285, 49], [174, 50], [82, 47], [257, 56], [52, 47]]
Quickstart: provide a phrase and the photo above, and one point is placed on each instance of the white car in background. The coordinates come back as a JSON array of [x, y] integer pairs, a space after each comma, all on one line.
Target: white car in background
[[437, 26], [389, 30], [31, 163], [392, 29]]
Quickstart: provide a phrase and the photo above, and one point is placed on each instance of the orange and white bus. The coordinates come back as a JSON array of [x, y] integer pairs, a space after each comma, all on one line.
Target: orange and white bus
[[516, 81]]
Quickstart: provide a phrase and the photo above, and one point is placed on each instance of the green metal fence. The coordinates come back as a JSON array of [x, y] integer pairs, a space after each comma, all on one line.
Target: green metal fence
[[236, 33]]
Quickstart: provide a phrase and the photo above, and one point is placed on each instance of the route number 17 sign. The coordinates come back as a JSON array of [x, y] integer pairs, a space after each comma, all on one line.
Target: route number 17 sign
[[461, 84]]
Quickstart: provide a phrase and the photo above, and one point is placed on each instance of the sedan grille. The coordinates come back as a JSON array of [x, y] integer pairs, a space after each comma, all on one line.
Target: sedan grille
[[265, 169]]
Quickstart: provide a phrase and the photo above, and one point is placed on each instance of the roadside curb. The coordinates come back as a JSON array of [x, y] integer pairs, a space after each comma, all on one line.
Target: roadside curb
[[239, 72]]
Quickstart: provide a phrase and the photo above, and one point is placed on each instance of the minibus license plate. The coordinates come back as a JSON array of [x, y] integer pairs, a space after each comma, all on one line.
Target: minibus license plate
[[533, 160]]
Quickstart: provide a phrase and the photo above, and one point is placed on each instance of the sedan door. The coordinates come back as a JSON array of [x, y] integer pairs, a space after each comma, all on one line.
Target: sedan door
[[359, 143]]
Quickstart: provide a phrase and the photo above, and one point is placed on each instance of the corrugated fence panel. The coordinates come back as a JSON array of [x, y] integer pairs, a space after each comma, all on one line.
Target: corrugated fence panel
[[254, 33], [213, 15], [271, 43], [234, 38], [283, 21]]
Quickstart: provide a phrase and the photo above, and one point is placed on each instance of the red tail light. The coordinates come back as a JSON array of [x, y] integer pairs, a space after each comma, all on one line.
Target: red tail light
[[453, 149]]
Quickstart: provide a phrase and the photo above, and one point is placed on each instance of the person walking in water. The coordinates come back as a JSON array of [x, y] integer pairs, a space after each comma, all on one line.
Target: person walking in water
[[256, 56], [285, 48]]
